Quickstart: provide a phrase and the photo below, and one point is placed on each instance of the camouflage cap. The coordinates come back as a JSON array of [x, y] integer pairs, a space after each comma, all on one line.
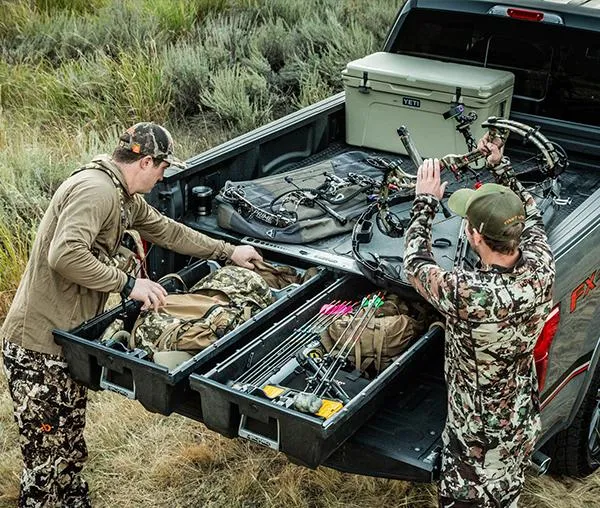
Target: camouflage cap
[[492, 210], [148, 138]]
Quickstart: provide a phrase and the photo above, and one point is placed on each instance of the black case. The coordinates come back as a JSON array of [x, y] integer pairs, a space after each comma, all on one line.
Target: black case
[[157, 388]]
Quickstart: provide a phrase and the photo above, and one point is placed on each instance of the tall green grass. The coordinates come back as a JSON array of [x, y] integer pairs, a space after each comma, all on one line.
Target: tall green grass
[[117, 61], [74, 73]]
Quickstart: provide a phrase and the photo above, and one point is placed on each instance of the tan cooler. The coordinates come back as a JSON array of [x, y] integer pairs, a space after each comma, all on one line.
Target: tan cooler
[[386, 90]]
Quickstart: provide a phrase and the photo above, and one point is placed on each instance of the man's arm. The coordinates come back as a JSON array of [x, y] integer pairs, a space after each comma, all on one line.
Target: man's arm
[[534, 236], [80, 216], [436, 285]]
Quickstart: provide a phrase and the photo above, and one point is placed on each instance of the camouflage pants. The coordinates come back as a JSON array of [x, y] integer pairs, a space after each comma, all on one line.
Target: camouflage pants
[[49, 408], [479, 477]]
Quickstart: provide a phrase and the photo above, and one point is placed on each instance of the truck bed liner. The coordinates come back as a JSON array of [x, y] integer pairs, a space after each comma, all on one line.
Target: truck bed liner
[[578, 182]]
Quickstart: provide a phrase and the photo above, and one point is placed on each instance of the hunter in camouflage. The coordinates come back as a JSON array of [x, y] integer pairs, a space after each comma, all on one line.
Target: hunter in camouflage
[[494, 316], [74, 265]]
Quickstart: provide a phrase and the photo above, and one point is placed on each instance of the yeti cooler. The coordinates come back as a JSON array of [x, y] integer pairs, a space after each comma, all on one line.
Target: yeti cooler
[[385, 91]]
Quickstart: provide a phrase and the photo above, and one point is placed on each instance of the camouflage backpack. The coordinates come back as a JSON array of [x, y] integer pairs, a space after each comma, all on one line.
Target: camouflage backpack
[[192, 321], [385, 337]]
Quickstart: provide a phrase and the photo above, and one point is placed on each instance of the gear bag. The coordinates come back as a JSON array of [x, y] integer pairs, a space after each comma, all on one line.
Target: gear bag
[[193, 321], [303, 205], [385, 338]]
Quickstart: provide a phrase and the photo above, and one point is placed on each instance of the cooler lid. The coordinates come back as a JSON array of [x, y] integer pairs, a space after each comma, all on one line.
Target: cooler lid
[[417, 72]]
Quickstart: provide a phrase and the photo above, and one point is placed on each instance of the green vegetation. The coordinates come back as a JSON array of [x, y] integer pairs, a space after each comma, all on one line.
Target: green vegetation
[[74, 73]]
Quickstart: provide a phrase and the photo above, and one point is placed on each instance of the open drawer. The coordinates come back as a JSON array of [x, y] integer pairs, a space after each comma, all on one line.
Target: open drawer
[[158, 389], [235, 404]]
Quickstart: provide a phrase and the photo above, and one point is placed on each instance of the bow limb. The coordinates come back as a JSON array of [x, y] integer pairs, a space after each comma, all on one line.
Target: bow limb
[[552, 154]]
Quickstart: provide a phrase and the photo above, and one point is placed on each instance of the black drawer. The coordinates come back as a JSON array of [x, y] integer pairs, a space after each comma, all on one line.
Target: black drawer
[[306, 438], [157, 388]]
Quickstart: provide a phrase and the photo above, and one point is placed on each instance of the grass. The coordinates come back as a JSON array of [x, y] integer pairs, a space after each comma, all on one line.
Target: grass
[[139, 459], [73, 74]]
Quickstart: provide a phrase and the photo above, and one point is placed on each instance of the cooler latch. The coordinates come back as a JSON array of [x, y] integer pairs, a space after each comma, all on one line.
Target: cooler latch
[[364, 86]]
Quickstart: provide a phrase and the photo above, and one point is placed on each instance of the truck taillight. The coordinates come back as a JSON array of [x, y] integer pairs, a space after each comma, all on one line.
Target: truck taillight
[[542, 346]]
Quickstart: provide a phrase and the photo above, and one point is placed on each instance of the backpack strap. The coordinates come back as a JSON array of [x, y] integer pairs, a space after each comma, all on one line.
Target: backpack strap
[[174, 276], [378, 342], [358, 353], [118, 185]]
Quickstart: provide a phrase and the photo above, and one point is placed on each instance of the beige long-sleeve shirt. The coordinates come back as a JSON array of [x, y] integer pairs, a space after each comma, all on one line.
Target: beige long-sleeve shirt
[[69, 274]]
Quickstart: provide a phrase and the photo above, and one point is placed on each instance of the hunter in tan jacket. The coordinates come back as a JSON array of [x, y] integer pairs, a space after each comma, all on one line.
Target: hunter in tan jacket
[[68, 278]]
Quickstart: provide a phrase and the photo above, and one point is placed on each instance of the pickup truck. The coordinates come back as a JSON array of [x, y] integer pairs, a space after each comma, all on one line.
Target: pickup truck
[[553, 50]]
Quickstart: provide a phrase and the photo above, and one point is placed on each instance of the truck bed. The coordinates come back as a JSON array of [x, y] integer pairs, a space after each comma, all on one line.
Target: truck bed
[[403, 439], [578, 182]]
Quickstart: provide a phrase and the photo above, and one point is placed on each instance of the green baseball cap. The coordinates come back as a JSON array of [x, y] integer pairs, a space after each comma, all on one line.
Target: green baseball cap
[[491, 209], [147, 138]]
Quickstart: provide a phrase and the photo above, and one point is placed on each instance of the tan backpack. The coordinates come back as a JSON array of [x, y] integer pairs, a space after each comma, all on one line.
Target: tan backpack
[[385, 338], [191, 322]]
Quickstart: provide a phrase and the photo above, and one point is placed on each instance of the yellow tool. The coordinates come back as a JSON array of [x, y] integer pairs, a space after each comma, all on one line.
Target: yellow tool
[[274, 391], [329, 408]]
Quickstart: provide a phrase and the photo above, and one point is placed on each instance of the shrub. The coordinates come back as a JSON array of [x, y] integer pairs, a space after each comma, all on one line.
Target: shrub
[[312, 88], [139, 86], [239, 97], [65, 35], [186, 72], [180, 16]]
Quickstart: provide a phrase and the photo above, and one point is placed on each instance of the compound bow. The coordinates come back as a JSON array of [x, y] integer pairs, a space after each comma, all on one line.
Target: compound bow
[[281, 212], [552, 159]]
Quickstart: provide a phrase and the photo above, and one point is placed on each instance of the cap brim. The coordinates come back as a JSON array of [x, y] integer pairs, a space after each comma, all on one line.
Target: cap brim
[[174, 161], [459, 200]]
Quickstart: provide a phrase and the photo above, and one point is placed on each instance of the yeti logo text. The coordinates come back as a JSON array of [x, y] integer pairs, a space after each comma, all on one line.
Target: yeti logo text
[[409, 101]]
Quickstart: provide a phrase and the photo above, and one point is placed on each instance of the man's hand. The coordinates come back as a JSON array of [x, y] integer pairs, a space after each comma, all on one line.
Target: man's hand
[[493, 149], [428, 179], [243, 255], [150, 293]]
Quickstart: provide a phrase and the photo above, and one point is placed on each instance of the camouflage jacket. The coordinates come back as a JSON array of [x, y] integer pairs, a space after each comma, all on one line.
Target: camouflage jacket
[[494, 317]]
